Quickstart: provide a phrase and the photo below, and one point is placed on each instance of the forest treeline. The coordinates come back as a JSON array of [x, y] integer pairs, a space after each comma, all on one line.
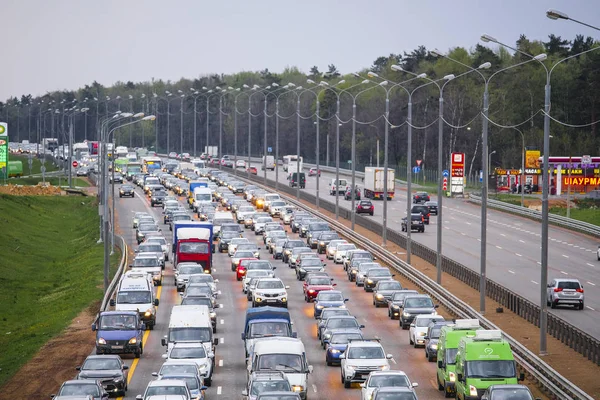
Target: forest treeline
[[516, 102]]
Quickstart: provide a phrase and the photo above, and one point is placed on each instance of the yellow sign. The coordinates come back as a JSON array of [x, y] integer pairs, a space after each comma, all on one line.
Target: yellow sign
[[532, 159]]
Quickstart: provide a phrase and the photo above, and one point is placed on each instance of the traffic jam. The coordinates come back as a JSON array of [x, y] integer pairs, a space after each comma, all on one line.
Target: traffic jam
[[208, 211]]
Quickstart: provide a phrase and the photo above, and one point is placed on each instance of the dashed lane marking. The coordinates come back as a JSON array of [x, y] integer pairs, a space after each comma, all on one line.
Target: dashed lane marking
[[220, 363], [590, 265], [498, 247], [314, 388], [590, 283], [590, 308], [534, 282], [518, 255], [511, 271], [564, 273], [222, 322], [565, 256], [219, 390]]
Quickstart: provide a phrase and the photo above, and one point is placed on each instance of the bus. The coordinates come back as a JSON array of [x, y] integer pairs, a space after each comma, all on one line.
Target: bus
[[151, 164], [291, 159], [132, 169]]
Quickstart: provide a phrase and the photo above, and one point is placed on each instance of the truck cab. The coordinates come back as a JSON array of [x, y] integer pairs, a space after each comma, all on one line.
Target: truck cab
[[119, 332], [264, 322], [192, 242], [135, 294]]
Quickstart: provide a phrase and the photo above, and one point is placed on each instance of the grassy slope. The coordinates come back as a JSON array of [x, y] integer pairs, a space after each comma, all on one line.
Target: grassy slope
[[35, 167], [50, 270], [52, 180]]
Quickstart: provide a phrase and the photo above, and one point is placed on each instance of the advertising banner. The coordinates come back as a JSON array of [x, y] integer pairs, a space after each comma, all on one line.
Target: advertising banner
[[457, 173], [532, 159], [3, 147]]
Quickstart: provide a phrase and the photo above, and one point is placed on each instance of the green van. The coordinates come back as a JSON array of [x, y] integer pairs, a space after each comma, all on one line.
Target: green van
[[482, 361], [450, 336]]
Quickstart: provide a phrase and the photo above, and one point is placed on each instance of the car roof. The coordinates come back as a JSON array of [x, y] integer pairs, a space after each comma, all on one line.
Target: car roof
[[394, 372], [167, 382], [188, 345], [103, 357]]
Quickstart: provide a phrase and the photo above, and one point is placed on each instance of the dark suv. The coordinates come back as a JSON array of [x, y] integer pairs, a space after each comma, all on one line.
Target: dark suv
[[424, 210], [421, 197], [294, 179], [416, 223], [415, 305], [324, 239]]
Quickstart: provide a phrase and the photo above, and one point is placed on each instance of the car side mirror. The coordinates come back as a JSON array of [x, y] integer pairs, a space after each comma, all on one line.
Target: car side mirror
[[216, 341], [78, 368], [94, 327], [136, 251], [361, 326], [274, 267], [389, 356], [362, 385], [112, 302], [460, 377], [245, 392], [393, 275], [243, 336], [139, 397], [216, 281], [125, 367], [310, 369], [440, 364], [156, 302], [521, 376], [295, 335], [155, 374], [219, 292], [426, 338], [345, 300], [415, 384], [436, 306], [334, 284], [131, 266], [163, 341], [324, 264], [549, 285], [342, 356], [287, 287]]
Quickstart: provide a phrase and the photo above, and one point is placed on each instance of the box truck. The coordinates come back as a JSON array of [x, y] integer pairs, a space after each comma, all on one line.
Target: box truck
[[374, 183]]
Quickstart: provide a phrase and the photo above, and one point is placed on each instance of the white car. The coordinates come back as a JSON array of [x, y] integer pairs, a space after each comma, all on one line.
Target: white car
[[379, 379], [240, 164], [168, 389], [332, 247], [233, 244], [270, 291], [204, 278], [418, 328], [196, 352], [360, 359], [256, 273], [598, 253], [162, 242], [342, 251]]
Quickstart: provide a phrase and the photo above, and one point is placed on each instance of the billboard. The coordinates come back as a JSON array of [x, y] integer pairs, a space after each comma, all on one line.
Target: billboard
[[532, 159], [457, 173], [3, 146]]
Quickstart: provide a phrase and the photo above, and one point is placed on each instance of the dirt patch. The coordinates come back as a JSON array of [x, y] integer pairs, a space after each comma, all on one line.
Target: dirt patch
[[60, 356], [562, 358], [38, 190]]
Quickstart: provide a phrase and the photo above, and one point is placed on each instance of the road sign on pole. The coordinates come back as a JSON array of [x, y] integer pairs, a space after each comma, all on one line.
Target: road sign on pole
[[586, 159], [416, 170], [269, 149], [419, 162], [446, 173], [445, 183], [75, 163]]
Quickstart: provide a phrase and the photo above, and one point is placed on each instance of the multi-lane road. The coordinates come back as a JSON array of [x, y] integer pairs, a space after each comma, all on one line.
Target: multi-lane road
[[513, 247], [230, 373]]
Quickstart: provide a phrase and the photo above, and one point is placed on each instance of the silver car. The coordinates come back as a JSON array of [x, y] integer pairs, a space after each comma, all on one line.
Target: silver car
[[565, 291]]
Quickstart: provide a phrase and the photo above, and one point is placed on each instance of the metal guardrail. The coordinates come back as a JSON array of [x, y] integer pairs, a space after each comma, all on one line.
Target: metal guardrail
[[555, 384], [122, 265], [569, 223]]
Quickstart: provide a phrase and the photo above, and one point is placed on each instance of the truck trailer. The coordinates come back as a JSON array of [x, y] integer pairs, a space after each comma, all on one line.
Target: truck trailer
[[374, 183]]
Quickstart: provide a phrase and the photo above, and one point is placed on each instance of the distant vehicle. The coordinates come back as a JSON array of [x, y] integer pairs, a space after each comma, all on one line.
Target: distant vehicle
[[81, 388], [416, 223], [421, 197], [83, 171], [297, 178], [433, 207], [563, 291], [512, 392], [348, 193], [289, 160], [268, 162], [424, 210], [252, 170], [374, 183], [108, 368], [240, 164], [337, 188], [365, 207], [313, 172]]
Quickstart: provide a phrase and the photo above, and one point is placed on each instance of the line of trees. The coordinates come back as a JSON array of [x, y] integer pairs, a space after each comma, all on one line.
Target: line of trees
[[516, 96]]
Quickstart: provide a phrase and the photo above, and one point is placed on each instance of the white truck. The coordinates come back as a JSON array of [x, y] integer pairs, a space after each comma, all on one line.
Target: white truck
[[374, 183], [121, 151], [268, 162]]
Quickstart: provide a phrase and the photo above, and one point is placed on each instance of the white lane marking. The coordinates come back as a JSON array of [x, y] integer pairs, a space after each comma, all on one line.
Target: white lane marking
[[534, 282], [468, 223], [511, 271], [314, 388], [522, 241], [502, 234], [590, 265], [570, 244], [222, 321], [588, 307], [564, 273], [222, 340], [220, 363], [394, 361], [539, 263], [446, 227], [590, 283], [498, 247], [518, 255], [565, 256], [479, 240], [219, 390], [464, 234]]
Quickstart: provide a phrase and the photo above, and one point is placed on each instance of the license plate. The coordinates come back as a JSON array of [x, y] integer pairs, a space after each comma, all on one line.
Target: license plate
[[271, 301], [117, 347]]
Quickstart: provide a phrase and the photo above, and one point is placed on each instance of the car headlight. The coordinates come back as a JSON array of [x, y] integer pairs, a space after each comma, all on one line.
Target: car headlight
[[395, 307], [258, 299], [320, 307], [452, 376], [334, 351], [297, 388], [406, 314], [327, 335], [350, 368], [101, 341], [213, 314], [421, 334], [202, 367], [384, 367], [379, 296], [133, 340], [284, 299], [369, 281], [472, 390], [433, 346], [148, 312], [322, 243]]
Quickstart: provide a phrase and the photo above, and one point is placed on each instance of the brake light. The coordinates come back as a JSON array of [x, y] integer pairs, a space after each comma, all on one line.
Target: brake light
[[558, 289], [580, 290], [422, 219], [372, 207]]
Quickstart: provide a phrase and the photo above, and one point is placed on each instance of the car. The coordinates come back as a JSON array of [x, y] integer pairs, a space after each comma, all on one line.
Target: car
[[296, 179], [184, 271], [375, 275], [116, 178], [167, 389], [565, 291], [233, 244], [414, 305], [421, 197], [161, 241], [433, 207], [126, 190], [336, 323], [175, 366], [83, 171], [279, 396], [81, 387], [252, 170], [384, 379], [196, 352], [432, 338], [313, 172], [418, 328], [365, 207], [356, 254], [270, 292], [424, 210], [277, 248], [362, 270], [416, 223], [507, 392], [256, 273], [153, 248], [397, 301], [386, 393], [194, 382], [225, 238], [309, 265], [337, 344], [137, 216], [264, 382], [173, 154], [383, 291], [326, 299], [289, 246], [341, 251], [313, 285], [598, 253], [108, 369], [360, 359], [296, 251], [348, 193]]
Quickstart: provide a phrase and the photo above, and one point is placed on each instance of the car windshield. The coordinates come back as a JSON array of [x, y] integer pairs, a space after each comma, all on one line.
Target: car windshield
[[346, 247], [197, 301], [229, 234], [490, 369], [256, 273], [188, 352], [365, 203], [320, 281], [181, 217], [281, 362], [301, 250], [243, 254], [390, 285], [334, 311], [260, 265], [246, 209], [418, 302], [295, 243], [190, 334], [379, 272], [198, 291], [166, 391], [264, 220], [278, 204], [247, 246], [201, 277], [270, 285], [360, 254], [193, 248], [363, 267], [311, 262], [424, 322], [318, 227], [434, 333], [150, 248], [148, 228], [338, 323], [324, 296], [391, 380], [279, 397], [265, 329], [401, 295], [101, 363], [118, 322], [343, 338], [171, 369], [569, 285], [269, 386], [158, 240], [451, 356], [190, 269], [79, 389], [396, 396], [365, 353], [501, 393], [134, 297]]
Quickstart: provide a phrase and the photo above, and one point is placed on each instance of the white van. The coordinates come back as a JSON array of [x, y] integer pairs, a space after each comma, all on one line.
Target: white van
[[202, 196], [282, 354], [191, 323], [220, 218], [339, 186], [135, 294]]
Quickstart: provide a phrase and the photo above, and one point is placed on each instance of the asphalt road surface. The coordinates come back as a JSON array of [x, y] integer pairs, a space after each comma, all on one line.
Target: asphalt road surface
[[230, 375], [513, 246]]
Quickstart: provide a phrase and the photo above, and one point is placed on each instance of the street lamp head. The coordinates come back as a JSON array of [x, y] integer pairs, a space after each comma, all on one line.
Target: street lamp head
[[540, 57], [126, 115], [291, 84], [299, 88], [255, 87], [449, 77], [468, 128], [107, 98], [275, 84], [555, 14], [179, 91], [143, 95], [217, 88], [204, 88], [149, 118], [396, 67], [310, 81], [154, 95], [118, 97], [210, 91], [130, 97], [323, 83], [356, 74], [245, 86], [365, 81], [230, 88], [340, 82], [485, 65], [237, 90], [436, 53], [371, 74], [138, 115], [384, 83], [421, 76], [86, 109], [95, 99], [487, 38]]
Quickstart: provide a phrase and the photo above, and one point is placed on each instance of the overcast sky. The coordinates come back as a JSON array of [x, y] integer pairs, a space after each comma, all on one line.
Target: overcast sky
[[65, 44]]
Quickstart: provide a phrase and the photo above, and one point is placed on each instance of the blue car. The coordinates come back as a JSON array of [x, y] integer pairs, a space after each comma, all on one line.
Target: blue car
[[326, 299], [119, 332], [337, 344]]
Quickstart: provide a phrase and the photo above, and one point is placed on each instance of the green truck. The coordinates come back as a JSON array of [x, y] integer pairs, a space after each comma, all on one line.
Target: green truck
[[15, 169], [482, 361], [450, 337]]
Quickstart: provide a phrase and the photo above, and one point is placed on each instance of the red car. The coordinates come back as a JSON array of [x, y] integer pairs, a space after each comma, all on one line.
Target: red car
[[240, 270], [313, 172], [252, 170], [313, 285], [365, 207]]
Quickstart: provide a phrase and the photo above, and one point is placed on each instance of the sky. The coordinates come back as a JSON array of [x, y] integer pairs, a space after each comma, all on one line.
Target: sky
[[65, 44]]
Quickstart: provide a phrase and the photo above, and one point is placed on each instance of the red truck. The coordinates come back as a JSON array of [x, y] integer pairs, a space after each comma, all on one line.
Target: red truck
[[192, 242]]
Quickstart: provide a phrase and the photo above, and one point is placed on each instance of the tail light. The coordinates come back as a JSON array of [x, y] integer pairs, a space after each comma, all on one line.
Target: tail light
[[372, 208], [580, 290], [422, 219], [558, 289]]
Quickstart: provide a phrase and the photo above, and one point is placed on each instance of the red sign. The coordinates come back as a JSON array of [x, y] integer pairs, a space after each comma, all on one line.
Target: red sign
[[75, 164], [458, 165], [419, 162], [445, 183]]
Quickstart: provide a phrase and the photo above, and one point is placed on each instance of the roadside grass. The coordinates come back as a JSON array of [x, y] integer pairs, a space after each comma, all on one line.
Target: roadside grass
[[54, 181], [588, 215], [50, 270], [511, 198], [35, 166]]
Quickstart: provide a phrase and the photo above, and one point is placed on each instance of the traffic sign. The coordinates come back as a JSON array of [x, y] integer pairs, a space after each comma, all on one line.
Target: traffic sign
[[416, 170], [586, 159], [269, 149], [75, 164], [445, 173], [419, 162], [445, 183]]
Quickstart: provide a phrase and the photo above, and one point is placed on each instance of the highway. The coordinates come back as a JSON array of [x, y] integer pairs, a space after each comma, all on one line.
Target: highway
[[230, 375], [513, 251]]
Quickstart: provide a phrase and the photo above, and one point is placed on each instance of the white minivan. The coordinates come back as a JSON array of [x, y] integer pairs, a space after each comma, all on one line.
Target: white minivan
[[191, 323], [337, 187], [135, 294]]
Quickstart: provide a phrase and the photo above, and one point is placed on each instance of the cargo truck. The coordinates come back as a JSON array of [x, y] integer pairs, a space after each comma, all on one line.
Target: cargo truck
[[190, 190], [15, 169], [268, 162], [374, 183], [192, 242]]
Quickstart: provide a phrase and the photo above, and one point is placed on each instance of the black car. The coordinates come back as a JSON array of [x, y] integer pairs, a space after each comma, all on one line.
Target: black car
[[225, 238], [416, 223], [432, 338], [323, 240], [80, 387], [109, 369], [126, 190], [289, 245], [421, 197], [298, 177], [433, 207], [424, 210], [397, 301], [415, 305], [375, 275], [158, 197]]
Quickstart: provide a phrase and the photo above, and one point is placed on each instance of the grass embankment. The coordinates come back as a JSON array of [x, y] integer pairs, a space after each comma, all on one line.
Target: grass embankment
[[35, 166], [50, 270], [54, 181]]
